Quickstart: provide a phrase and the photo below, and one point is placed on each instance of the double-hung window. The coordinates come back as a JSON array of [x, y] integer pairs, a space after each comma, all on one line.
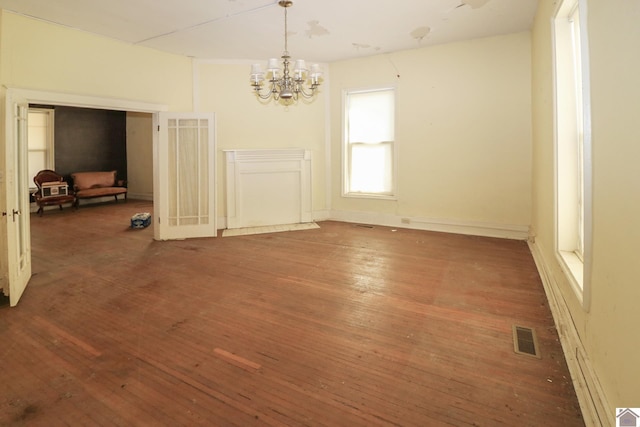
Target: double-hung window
[[572, 145], [40, 141], [369, 143]]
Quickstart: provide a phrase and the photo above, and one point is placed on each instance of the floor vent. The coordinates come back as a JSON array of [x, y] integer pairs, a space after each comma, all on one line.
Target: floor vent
[[525, 341]]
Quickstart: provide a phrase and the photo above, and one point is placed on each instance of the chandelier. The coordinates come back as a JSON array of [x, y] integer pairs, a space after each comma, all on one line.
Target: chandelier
[[283, 85]]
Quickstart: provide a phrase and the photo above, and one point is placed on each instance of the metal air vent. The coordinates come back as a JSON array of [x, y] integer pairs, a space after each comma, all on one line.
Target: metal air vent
[[525, 341]]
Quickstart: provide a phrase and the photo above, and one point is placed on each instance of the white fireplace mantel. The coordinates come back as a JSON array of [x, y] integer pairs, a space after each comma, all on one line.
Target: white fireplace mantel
[[268, 187]]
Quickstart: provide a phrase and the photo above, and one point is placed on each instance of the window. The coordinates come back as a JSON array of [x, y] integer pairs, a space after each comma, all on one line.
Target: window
[[574, 23], [40, 141], [369, 121], [572, 145]]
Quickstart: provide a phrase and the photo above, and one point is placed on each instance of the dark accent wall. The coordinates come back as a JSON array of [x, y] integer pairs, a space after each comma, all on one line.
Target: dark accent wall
[[90, 140]]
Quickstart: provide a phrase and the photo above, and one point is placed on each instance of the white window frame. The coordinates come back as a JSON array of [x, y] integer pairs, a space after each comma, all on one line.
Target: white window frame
[[347, 148], [572, 147], [49, 144]]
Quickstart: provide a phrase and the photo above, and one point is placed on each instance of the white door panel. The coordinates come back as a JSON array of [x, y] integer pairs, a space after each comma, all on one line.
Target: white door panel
[[184, 183], [18, 256]]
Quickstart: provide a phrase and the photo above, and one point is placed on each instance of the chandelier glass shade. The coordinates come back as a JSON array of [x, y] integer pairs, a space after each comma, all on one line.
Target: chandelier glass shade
[[283, 84]]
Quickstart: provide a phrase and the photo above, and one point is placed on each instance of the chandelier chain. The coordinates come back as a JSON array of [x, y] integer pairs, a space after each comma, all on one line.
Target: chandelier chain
[[286, 31]]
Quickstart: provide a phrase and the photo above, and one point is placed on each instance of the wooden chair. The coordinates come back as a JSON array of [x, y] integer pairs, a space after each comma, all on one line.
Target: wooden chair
[[49, 196]]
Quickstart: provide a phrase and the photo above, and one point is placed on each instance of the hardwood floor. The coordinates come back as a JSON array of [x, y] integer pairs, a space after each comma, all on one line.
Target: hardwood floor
[[344, 325]]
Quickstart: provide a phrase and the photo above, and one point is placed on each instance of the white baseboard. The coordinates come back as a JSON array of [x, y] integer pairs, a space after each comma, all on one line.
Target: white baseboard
[[596, 411], [98, 200], [140, 196], [505, 231], [323, 215]]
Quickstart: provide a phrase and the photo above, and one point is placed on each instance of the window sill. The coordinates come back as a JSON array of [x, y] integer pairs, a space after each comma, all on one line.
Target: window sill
[[573, 268], [370, 196]]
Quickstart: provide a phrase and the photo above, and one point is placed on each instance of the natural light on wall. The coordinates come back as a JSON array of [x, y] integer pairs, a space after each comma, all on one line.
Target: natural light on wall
[[573, 145], [369, 143]]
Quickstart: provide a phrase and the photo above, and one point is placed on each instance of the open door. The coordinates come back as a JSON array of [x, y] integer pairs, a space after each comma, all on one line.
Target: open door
[[17, 190], [184, 180]]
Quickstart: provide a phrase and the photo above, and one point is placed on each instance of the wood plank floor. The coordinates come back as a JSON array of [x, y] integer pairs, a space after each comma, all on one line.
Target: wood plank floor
[[344, 325]]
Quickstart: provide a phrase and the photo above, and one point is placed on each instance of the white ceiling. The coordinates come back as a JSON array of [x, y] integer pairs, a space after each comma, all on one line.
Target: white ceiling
[[319, 30]]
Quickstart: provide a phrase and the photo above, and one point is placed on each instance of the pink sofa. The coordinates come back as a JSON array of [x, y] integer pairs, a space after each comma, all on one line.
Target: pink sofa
[[88, 185]]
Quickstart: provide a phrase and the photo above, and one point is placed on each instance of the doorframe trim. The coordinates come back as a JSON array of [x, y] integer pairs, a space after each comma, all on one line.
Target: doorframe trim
[[35, 96]]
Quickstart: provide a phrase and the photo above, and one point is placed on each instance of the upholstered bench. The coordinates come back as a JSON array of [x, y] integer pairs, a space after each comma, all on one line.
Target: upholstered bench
[[88, 185]]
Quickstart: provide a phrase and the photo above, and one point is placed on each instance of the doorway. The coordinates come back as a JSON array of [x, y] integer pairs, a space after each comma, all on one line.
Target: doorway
[[18, 231]]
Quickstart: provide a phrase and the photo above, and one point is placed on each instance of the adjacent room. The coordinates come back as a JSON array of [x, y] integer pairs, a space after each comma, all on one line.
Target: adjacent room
[[77, 139], [468, 167]]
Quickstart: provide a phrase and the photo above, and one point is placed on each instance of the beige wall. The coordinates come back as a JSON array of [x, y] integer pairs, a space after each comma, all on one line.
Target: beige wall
[[463, 109], [37, 55], [463, 129], [608, 330], [140, 155], [243, 122]]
